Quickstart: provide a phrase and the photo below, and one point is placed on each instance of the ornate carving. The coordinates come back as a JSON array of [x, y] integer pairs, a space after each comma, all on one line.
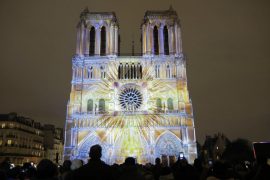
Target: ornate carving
[[168, 144]]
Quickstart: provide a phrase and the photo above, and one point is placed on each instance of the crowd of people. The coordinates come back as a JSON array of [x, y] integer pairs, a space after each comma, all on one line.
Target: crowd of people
[[96, 169]]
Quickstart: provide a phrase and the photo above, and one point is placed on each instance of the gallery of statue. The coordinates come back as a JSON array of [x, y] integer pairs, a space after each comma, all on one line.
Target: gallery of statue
[[136, 106]]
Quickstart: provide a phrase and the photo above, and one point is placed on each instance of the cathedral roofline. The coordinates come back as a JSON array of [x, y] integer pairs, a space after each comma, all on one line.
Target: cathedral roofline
[[169, 14], [86, 15], [154, 13]]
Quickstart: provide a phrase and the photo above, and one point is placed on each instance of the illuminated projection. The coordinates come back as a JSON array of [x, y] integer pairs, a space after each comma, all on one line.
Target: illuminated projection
[[135, 106]]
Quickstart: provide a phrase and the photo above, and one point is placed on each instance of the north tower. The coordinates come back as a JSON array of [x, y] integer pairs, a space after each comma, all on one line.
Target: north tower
[[131, 105]]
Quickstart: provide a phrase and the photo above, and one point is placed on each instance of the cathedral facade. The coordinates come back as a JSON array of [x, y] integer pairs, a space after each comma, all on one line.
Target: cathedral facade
[[136, 106]]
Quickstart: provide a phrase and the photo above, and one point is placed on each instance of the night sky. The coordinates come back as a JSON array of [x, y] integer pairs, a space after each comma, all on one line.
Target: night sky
[[227, 43]]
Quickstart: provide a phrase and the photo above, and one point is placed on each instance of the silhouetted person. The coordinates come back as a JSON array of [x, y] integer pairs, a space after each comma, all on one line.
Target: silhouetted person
[[220, 171], [157, 169], [183, 171], [46, 170], [95, 169], [200, 171], [130, 171], [4, 168], [65, 169]]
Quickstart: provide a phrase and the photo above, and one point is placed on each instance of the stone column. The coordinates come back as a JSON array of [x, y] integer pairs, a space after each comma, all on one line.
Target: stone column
[[161, 40], [82, 45], [73, 73], [86, 41], [116, 40], [147, 43], [110, 30], [151, 40], [172, 40], [177, 70], [107, 39], [179, 39], [85, 73], [97, 41], [143, 39], [78, 40]]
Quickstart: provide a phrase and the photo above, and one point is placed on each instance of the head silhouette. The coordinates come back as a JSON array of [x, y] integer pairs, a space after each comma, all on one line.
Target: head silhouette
[[130, 161], [95, 152], [46, 169], [157, 161]]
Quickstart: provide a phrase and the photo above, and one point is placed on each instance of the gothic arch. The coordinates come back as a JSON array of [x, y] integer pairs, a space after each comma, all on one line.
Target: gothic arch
[[92, 41], [85, 145], [155, 36], [103, 41], [90, 105], [90, 73], [159, 104], [136, 136], [119, 71], [101, 105], [102, 72], [166, 40], [168, 71], [170, 104], [168, 144], [157, 71]]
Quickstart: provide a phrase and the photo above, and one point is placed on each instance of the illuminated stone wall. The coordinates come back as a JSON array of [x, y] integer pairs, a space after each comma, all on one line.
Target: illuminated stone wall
[[135, 106]]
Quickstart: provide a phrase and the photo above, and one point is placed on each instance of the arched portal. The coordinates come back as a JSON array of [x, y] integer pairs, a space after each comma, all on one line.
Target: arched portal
[[168, 144], [131, 143], [85, 145]]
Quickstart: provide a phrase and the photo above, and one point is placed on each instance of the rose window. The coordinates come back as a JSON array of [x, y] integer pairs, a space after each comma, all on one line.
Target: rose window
[[130, 99]]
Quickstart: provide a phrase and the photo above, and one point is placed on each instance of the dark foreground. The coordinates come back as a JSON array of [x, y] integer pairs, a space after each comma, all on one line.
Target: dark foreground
[[97, 169]]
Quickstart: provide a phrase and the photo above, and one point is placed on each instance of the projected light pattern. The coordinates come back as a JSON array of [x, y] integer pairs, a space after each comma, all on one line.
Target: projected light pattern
[[135, 106], [130, 99]]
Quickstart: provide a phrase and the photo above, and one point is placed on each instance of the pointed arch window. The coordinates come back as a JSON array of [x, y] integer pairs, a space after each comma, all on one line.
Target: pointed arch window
[[139, 71], [131, 70], [90, 105], [126, 71], [103, 41], [157, 71], [103, 73], [134, 71], [101, 105], [92, 41], [170, 104], [168, 71], [90, 73], [155, 35], [159, 104], [119, 71], [166, 40]]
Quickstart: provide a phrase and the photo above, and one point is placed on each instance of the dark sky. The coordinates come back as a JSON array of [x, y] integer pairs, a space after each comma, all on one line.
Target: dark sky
[[227, 43]]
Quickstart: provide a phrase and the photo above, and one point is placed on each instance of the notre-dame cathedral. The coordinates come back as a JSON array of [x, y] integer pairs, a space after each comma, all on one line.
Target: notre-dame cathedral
[[136, 106]]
